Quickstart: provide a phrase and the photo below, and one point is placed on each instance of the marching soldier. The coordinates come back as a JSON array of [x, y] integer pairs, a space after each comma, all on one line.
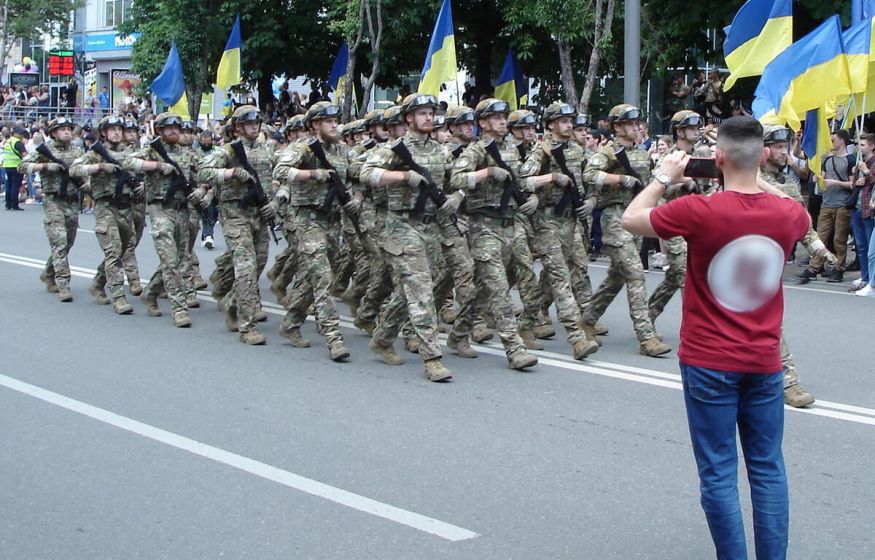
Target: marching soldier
[[168, 215], [555, 220], [412, 242], [186, 140], [114, 223], [130, 143], [491, 215], [613, 185], [304, 184], [60, 217], [244, 224]]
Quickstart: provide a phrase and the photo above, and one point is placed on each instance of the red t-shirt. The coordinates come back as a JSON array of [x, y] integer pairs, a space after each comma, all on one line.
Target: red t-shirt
[[733, 300]]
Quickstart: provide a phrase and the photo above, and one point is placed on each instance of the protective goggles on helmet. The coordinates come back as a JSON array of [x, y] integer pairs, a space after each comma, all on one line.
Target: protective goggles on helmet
[[495, 107], [563, 110], [170, 121], [464, 117], [326, 112], [131, 124], [187, 125], [112, 121], [528, 120], [62, 121], [692, 120], [581, 120], [250, 116], [633, 114], [440, 121], [778, 135], [424, 100]]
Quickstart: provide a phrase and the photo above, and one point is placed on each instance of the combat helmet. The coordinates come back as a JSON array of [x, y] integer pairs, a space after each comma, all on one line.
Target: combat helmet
[[521, 117], [110, 120], [458, 114], [491, 106], [686, 118], [774, 133], [246, 113], [418, 100], [58, 122], [321, 110], [558, 110], [168, 119], [392, 115], [624, 112]]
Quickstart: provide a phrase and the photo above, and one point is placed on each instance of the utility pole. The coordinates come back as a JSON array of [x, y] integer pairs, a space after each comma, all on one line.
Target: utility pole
[[4, 36], [632, 53]]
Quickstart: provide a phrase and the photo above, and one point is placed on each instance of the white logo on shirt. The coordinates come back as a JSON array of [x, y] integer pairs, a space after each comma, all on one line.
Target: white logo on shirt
[[745, 274]]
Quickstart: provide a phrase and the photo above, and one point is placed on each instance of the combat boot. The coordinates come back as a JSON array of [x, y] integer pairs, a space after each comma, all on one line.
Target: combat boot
[[199, 283], [98, 294], [337, 351], [349, 299], [151, 302], [49, 282], [521, 360], [461, 345], [530, 341], [121, 306], [601, 329], [544, 330], [260, 315], [64, 294], [253, 338], [589, 330], [386, 353], [449, 314], [136, 288], [480, 333], [653, 347], [294, 337], [181, 319], [412, 345], [231, 319], [435, 370], [583, 348], [489, 319], [365, 326], [797, 397], [191, 301]]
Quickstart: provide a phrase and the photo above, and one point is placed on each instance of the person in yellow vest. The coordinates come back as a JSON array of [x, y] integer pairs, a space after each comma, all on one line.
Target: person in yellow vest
[[13, 151]]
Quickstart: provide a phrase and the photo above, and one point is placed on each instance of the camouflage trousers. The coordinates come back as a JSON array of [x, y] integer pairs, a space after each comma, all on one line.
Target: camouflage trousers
[[285, 266], [129, 259], [788, 365], [625, 268], [553, 241], [458, 273], [114, 228], [222, 277], [169, 228], [492, 248], [577, 257], [317, 245], [380, 281], [358, 258], [674, 279], [61, 220], [246, 236], [522, 273], [194, 227], [412, 249]]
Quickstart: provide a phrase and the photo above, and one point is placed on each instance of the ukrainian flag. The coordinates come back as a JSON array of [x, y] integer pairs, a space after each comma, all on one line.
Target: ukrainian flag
[[440, 61], [816, 141], [760, 31], [337, 76], [229, 71], [169, 86], [861, 64], [809, 73], [512, 85]]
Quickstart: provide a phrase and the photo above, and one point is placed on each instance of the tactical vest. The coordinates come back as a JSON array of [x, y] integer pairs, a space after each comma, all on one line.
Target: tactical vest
[[619, 194], [158, 184], [488, 193], [312, 193], [551, 194], [103, 184], [428, 154], [51, 181], [260, 157]]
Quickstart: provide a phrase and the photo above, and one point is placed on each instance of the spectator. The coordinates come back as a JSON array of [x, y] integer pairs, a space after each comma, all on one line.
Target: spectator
[[103, 100], [70, 93], [862, 220], [13, 151], [227, 106], [296, 107], [737, 242], [644, 140], [834, 221], [44, 100], [315, 96]]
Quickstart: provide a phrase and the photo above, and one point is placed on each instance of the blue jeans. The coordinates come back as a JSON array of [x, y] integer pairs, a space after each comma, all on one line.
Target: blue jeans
[[717, 402], [862, 228], [13, 185]]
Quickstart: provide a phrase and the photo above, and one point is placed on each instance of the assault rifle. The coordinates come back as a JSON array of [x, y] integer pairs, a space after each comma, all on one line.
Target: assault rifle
[[44, 151], [337, 190], [122, 177], [429, 188], [512, 188], [255, 194], [179, 182], [623, 158], [572, 193]]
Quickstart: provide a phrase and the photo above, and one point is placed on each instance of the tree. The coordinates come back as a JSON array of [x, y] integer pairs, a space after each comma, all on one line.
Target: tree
[[26, 18]]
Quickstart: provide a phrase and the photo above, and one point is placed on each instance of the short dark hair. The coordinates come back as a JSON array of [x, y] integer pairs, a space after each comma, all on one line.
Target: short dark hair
[[868, 137], [844, 135], [740, 128], [741, 140]]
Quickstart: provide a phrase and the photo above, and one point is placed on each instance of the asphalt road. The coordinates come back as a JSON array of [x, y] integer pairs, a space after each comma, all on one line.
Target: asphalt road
[[123, 437]]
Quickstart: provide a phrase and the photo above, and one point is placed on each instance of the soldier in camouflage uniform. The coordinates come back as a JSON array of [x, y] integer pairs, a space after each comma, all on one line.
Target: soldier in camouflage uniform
[[384, 127], [777, 140], [441, 133], [60, 217], [131, 142], [491, 212], [114, 224], [244, 228], [304, 184], [613, 186], [186, 140], [555, 221], [168, 216], [412, 241]]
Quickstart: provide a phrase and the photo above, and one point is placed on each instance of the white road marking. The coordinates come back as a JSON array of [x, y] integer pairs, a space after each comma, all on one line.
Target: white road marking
[[307, 485], [829, 409]]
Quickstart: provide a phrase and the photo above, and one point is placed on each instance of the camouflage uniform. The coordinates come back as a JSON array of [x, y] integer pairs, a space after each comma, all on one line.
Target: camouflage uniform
[[286, 263], [244, 229], [358, 251], [60, 216], [138, 225]]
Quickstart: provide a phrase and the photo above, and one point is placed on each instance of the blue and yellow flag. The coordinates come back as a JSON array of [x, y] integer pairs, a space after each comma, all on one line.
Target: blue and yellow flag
[[512, 85], [808, 74], [760, 31], [440, 61], [861, 9], [337, 76], [861, 64], [169, 86], [229, 70], [816, 141]]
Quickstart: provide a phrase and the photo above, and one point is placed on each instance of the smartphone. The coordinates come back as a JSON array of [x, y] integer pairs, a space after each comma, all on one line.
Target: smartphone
[[701, 168]]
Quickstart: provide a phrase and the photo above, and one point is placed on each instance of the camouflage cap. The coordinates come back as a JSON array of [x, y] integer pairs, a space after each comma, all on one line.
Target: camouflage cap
[[521, 117], [624, 112]]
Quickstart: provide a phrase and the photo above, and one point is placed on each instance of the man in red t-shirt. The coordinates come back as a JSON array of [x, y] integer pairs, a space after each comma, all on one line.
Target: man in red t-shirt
[[738, 241]]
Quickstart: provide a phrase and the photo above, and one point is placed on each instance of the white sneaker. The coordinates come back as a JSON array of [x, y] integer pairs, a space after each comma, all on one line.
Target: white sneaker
[[207, 242], [866, 291], [857, 284]]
